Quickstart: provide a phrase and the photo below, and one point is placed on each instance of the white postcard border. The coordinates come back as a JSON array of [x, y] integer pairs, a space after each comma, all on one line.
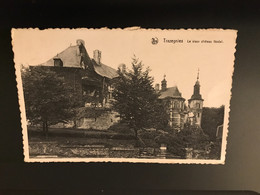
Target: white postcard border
[[125, 160]]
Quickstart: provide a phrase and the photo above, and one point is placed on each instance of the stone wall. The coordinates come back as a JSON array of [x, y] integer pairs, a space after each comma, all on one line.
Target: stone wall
[[55, 149]]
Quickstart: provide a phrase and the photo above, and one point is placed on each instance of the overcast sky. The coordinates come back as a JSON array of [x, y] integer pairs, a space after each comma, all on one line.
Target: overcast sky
[[179, 61]]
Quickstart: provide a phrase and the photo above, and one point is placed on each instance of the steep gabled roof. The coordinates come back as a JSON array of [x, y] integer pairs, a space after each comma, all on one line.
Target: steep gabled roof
[[172, 92], [70, 57]]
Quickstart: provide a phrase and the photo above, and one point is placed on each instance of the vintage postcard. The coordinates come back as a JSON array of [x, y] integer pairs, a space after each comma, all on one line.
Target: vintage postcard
[[124, 95]]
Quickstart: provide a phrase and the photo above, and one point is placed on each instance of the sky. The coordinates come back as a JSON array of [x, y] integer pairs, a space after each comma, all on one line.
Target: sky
[[176, 54]]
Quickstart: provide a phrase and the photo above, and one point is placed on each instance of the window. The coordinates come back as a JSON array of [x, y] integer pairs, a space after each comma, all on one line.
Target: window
[[58, 62], [198, 114], [198, 105]]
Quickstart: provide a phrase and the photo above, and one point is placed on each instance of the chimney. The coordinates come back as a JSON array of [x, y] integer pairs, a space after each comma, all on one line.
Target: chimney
[[164, 84], [157, 87], [80, 42], [122, 68], [97, 56], [58, 62]]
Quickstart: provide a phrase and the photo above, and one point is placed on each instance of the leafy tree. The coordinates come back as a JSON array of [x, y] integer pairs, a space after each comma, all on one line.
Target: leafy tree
[[193, 137], [161, 115], [211, 119], [135, 98], [47, 99]]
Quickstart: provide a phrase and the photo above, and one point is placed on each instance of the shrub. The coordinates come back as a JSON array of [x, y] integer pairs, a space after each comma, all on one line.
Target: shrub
[[144, 134], [121, 128]]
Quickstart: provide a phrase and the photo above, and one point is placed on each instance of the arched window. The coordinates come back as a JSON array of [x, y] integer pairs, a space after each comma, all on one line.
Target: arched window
[[198, 105]]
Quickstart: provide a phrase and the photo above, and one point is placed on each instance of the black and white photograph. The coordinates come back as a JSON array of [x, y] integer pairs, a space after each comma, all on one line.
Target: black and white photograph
[[124, 95]]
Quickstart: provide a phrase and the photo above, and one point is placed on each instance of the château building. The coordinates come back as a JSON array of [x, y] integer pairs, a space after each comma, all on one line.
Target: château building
[[179, 113], [92, 82], [90, 78]]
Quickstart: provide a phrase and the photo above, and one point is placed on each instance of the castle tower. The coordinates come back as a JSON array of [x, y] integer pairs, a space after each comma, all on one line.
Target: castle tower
[[164, 84], [196, 103], [173, 97]]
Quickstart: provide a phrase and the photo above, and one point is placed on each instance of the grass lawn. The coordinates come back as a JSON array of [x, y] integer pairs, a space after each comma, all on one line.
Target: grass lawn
[[81, 137]]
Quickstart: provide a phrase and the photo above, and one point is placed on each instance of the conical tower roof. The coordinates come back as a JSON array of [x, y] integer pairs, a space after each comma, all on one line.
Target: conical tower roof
[[196, 92]]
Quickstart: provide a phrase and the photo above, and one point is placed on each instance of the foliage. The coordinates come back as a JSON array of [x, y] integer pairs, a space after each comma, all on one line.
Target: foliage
[[193, 137], [135, 98], [211, 119], [121, 128], [161, 115], [47, 99], [215, 150], [95, 96], [90, 112], [177, 142], [146, 134]]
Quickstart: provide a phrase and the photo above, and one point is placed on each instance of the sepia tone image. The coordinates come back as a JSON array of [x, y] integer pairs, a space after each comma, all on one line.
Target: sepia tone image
[[124, 95]]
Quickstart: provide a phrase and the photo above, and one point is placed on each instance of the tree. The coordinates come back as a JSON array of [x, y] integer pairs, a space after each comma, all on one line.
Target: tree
[[161, 115], [193, 137], [47, 98], [211, 119], [135, 98]]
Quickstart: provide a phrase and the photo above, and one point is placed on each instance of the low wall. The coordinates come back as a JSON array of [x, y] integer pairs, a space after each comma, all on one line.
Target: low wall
[[54, 149]]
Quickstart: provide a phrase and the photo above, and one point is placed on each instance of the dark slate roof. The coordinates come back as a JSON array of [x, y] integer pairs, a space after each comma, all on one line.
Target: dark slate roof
[[104, 70], [196, 94], [196, 97], [172, 92], [71, 58]]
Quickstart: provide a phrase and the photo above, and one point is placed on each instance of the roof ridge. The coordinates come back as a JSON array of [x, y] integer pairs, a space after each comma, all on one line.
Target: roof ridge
[[173, 92]]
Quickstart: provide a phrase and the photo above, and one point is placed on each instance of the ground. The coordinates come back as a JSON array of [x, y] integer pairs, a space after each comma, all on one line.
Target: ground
[[119, 143], [82, 137], [89, 143]]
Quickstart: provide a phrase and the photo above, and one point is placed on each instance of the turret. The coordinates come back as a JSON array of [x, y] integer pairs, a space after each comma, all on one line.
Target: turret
[[196, 103], [164, 84]]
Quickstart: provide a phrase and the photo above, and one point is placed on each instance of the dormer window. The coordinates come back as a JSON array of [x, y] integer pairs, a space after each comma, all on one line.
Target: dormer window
[[58, 62]]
